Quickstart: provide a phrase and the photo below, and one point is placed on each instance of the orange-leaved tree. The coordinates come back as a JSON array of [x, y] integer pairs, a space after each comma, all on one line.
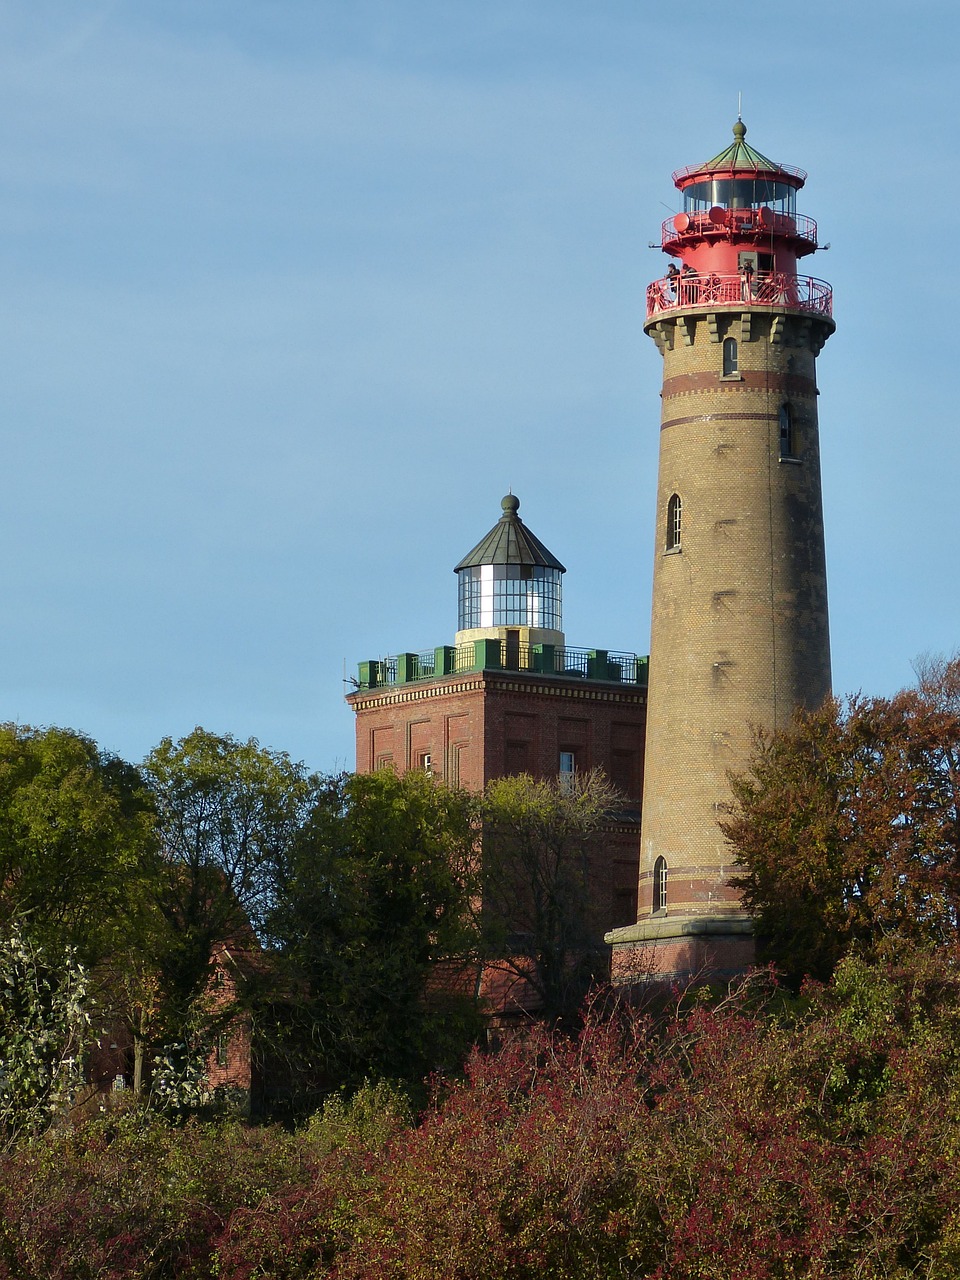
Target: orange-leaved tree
[[847, 827]]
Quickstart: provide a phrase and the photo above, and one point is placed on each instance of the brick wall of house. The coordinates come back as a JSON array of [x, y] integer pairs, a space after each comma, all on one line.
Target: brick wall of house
[[491, 724]]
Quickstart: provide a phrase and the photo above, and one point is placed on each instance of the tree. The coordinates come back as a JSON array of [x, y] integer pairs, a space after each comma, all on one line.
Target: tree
[[847, 828], [77, 838], [228, 813], [541, 841], [371, 921]]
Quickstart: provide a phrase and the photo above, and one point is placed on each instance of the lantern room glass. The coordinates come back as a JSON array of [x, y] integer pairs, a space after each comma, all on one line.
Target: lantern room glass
[[740, 193], [510, 595]]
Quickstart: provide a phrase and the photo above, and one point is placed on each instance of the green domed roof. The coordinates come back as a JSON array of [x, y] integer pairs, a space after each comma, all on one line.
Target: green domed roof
[[740, 157], [510, 542]]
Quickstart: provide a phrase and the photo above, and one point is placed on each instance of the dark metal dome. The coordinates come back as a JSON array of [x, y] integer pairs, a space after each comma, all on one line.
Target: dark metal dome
[[510, 542]]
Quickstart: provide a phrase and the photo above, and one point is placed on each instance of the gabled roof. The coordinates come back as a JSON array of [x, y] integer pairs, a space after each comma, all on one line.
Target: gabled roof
[[510, 542]]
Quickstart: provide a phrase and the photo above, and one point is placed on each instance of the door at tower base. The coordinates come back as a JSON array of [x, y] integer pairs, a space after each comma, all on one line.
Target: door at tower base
[[739, 635]]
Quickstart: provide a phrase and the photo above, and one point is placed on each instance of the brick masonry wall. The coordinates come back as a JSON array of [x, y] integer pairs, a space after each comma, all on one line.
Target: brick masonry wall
[[495, 724], [739, 633], [682, 960]]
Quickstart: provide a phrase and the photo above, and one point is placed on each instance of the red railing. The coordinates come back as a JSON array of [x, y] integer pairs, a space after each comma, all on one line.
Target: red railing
[[722, 222], [708, 171], [772, 289]]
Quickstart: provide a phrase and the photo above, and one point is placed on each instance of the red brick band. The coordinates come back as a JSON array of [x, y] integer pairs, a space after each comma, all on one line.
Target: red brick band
[[752, 379]]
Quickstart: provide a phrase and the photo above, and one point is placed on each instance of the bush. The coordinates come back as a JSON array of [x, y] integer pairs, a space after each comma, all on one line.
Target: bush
[[768, 1141]]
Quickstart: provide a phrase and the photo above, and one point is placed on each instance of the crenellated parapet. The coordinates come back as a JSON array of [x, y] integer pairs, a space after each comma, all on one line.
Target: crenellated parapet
[[777, 326]]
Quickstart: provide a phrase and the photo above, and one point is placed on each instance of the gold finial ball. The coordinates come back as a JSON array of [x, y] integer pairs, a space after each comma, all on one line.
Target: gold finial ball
[[739, 131]]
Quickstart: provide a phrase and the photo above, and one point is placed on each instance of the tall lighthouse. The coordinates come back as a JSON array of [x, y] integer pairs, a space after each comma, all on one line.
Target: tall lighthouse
[[739, 634]]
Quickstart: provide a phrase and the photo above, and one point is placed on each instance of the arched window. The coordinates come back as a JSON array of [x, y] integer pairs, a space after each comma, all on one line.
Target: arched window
[[660, 885], [674, 517], [731, 357], [788, 444]]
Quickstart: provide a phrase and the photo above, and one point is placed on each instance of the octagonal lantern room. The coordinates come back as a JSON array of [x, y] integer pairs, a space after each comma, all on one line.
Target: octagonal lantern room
[[510, 586]]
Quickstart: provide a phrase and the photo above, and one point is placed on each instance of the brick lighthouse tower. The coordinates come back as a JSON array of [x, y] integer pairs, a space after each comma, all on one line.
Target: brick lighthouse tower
[[739, 634]]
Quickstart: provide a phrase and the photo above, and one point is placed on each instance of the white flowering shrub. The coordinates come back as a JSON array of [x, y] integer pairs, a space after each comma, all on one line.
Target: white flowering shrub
[[179, 1083], [44, 1028]]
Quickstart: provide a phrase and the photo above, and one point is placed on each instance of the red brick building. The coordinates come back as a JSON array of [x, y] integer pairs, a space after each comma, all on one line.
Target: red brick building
[[111, 1064], [509, 696]]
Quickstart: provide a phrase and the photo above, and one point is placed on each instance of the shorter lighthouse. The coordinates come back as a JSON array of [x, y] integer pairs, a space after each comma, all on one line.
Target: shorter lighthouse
[[511, 696], [739, 631]]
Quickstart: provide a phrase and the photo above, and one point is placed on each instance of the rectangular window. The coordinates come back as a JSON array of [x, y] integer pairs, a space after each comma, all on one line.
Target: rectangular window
[[623, 772], [788, 441], [568, 768], [426, 762], [221, 1051], [512, 651]]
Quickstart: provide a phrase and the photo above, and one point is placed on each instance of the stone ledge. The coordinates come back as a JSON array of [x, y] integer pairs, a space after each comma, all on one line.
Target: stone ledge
[[659, 928]]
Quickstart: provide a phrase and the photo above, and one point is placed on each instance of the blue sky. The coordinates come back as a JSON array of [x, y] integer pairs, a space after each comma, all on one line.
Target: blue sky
[[292, 292]]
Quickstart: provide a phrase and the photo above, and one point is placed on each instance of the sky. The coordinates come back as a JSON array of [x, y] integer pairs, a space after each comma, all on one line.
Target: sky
[[292, 292]]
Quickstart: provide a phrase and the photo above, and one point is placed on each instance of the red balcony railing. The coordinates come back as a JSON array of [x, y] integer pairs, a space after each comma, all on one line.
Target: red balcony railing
[[722, 222], [772, 172], [770, 289]]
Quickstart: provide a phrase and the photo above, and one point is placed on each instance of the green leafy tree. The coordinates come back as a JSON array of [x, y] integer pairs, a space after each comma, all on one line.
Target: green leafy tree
[[541, 847], [847, 828], [372, 922], [228, 813], [77, 839]]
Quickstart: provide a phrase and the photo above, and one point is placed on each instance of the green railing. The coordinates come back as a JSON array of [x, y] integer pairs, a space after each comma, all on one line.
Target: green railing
[[504, 655]]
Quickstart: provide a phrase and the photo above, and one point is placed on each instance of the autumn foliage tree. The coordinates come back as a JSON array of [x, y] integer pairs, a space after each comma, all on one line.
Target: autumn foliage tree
[[847, 828], [750, 1137]]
